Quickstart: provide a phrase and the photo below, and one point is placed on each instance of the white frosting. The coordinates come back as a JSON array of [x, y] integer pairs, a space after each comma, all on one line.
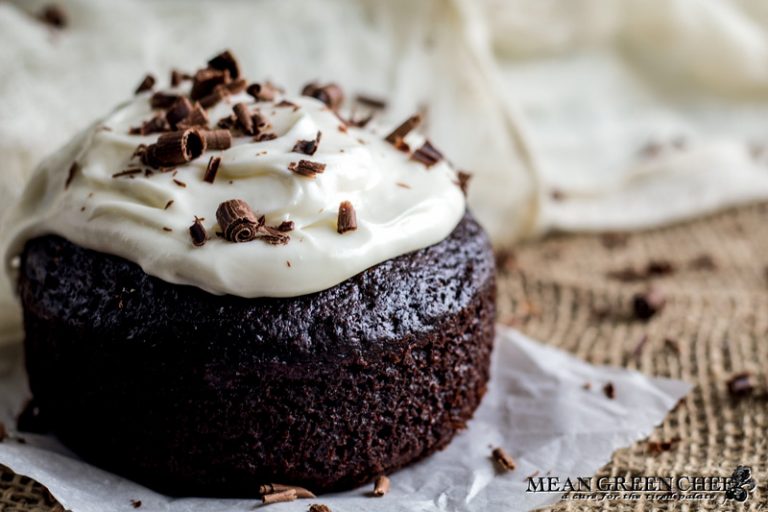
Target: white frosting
[[401, 204]]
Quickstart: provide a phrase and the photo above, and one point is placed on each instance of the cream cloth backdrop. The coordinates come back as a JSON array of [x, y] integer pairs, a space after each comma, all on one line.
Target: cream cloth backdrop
[[549, 102]]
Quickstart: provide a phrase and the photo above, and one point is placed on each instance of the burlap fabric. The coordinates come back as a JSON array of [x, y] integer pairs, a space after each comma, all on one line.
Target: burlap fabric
[[564, 291]]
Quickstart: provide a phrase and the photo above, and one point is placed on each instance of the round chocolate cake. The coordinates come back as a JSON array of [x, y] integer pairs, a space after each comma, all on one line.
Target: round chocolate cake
[[223, 287]]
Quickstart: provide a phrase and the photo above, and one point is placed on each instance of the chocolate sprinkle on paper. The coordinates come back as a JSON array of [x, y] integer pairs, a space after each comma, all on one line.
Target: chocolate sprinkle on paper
[[226, 61], [54, 16], [198, 233], [308, 147], [212, 169], [427, 154], [503, 459], [330, 94], [147, 84], [71, 176], [174, 148], [398, 134], [347, 220], [162, 100], [306, 168], [244, 118], [237, 221]]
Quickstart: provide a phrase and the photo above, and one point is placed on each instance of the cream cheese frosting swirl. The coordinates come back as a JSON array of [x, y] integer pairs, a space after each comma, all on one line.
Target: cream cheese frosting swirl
[[401, 205]]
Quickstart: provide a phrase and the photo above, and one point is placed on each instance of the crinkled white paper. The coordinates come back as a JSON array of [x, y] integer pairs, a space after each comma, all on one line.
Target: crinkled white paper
[[536, 408]]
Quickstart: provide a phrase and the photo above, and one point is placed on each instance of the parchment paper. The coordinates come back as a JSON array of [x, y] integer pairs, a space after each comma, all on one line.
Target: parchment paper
[[536, 408]]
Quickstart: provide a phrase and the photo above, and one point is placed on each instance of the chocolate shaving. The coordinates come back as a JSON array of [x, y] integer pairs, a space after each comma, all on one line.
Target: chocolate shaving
[[212, 169], [740, 384], [71, 176], [198, 233], [610, 390], [54, 16], [225, 61], [319, 507], [127, 172], [196, 118], [178, 112], [168, 204], [174, 148], [301, 492], [146, 85], [206, 80], [427, 154], [463, 181], [381, 486], [306, 168], [370, 101], [347, 219], [237, 221], [503, 459], [262, 92], [330, 94], [219, 93], [647, 304], [286, 103], [360, 123], [278, 497], [162, 100], [157, 124], [217, 139], [285, 226], [3, 432], [244, 118], [180, 183], [177, 77], [166, 228], [398, 134], [236, 86], [265, 136], [308, 147]]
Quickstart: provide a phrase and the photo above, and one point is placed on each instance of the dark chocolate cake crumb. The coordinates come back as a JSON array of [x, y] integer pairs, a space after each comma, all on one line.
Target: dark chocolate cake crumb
[[503, 459], [225, 61], [72, 172], [198, 233], [146, 84], [330, 94], [381, 486], [212, 169], [740, 384], [306, 168], [347, 220], [136, 503], [308, 147], [427, 154], [610, 390], [237, 221], [646, 305], [54, 16], [398, 134]]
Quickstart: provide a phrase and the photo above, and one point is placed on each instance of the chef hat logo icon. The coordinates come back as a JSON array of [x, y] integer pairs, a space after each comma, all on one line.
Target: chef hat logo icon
[[740, 484]]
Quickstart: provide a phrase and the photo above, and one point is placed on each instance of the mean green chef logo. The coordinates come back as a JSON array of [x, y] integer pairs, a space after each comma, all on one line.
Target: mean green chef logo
[[735, 488]]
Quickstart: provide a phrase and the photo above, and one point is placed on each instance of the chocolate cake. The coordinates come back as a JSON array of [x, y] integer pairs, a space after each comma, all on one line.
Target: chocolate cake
[[229, 322]]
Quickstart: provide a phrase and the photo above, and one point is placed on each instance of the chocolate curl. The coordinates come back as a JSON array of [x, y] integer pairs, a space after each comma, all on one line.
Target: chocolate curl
[[308, 147], [427, 154], [197, 117], [399, 133], [347, 220], [198, 233], [330, 94], [263, 92], [146, 84], [206, 80], [175, 148], [244, 118], [237, 221], [225, 61], [217, 139], [306, 168], [179, 111], [212, 169]]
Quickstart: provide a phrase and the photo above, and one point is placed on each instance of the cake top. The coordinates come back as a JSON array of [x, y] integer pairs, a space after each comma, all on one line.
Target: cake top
[[236, 188]]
